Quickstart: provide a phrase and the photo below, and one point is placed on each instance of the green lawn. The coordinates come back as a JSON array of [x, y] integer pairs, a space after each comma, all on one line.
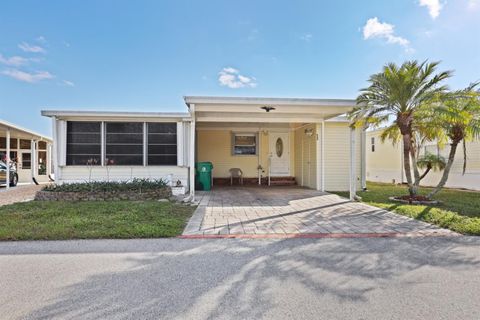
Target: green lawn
[[49, 220], [459, 210]]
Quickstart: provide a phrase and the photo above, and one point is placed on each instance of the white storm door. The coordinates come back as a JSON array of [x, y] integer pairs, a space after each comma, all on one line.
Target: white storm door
[[279, 146]]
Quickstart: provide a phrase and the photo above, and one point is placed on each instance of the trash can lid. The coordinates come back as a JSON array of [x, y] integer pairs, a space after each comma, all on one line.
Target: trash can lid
[[204, 164]]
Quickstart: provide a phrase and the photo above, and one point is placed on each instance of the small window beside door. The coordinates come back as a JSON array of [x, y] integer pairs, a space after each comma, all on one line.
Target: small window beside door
[[26, 161], [244, 144], [373, 144]]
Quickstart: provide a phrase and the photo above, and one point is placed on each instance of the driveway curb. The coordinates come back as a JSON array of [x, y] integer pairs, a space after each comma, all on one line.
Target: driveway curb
[[319, 235]]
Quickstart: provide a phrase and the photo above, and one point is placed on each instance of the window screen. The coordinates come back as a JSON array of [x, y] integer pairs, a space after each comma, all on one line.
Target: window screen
[[244, 144], [83, 143], [42, 145], [26, 161], [162, 143], [42, 162], [3, 143], [25, 144], [124, 143]]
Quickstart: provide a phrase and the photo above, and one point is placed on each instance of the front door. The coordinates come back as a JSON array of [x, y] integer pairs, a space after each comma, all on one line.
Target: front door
[[24, 167], [279, 153]]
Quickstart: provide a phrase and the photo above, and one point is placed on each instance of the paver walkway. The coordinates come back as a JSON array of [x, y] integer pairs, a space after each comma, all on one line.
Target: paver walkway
[[293, 211], [19, 193]]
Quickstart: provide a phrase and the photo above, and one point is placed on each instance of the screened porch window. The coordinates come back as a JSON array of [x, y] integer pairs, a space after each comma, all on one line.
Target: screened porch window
[[84, 143], [162, 143], [244, 144], [124, 143]]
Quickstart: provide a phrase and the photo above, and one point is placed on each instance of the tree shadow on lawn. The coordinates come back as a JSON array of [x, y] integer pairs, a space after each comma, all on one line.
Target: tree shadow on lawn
[[237, 279]]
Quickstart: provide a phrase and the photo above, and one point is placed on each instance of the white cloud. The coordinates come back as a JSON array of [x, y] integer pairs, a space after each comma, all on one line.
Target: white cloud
[[376, 29], [253, 35], [41, 39], [68, 83], [473, 4], [31, 48], [231, 77], [306, 37], [26, 76], [14, 61], [434, 7]]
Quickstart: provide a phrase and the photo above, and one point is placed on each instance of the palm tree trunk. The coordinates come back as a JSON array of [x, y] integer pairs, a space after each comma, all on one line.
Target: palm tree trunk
[[446, 171], [425, 173], [407, 142], [416, 174]]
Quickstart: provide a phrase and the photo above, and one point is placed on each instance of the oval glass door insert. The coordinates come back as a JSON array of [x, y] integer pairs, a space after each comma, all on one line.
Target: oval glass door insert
[[279, 147]]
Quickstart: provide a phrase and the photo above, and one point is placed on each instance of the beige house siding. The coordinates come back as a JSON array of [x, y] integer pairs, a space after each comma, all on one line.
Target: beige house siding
[[456, 178], [216, 146], [337, 156], [305, 155], [385, 163]]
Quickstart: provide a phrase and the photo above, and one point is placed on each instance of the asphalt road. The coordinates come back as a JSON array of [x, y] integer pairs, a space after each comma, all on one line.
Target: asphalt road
[[409, 278]]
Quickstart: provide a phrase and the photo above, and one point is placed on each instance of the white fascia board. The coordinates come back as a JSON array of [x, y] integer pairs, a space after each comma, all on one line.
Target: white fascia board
[[124, 115], [14, 127], [269, 101]]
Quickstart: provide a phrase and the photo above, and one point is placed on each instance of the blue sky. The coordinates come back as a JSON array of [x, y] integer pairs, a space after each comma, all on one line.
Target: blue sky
[[146, 55]]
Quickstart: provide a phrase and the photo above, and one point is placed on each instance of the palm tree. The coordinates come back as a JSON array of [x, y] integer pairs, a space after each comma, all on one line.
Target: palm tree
[[457, 115], [398, 92], [430, 161]]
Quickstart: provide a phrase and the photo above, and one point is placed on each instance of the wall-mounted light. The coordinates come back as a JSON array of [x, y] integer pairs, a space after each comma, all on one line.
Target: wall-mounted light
[[309, 132]]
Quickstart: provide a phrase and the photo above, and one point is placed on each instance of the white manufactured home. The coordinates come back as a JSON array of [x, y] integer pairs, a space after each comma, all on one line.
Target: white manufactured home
[[269, 140], [385, 163], [27, 152]]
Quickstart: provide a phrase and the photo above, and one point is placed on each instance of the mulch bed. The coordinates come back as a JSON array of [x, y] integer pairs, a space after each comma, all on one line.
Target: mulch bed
[[417, 199]]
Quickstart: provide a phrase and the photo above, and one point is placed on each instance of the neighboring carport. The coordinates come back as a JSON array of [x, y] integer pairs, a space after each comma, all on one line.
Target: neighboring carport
[[29, 152]]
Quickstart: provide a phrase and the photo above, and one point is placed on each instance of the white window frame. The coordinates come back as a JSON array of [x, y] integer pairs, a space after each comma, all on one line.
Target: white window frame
[[249, 134], [103, 124]]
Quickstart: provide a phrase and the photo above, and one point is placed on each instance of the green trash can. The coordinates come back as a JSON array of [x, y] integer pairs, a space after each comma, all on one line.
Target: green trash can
[[204, 175]]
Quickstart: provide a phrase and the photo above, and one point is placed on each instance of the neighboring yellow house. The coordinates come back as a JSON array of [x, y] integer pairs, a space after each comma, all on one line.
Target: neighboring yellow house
[[385, 163], [271, 140]]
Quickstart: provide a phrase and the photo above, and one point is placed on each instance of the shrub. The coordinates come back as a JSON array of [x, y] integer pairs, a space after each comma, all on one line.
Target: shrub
[[137, 185]]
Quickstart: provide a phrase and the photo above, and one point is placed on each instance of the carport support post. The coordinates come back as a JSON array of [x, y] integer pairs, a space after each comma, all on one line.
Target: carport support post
[[192, 153], [32, 158], [363, 145], [48, 161], [7, 159], [318, 165], [353, 184]]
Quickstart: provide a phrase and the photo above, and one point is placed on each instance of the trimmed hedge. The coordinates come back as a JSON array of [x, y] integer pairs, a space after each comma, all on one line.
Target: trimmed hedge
[[135, 185], [136, 190]]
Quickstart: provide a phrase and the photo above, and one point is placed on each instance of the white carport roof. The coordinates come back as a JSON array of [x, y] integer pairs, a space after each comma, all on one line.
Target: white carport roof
[[19, 132], [250, 109]]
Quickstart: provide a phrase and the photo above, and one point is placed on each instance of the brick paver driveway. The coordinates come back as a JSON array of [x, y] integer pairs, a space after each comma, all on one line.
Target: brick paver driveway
[[19, 193], [292, 211]]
